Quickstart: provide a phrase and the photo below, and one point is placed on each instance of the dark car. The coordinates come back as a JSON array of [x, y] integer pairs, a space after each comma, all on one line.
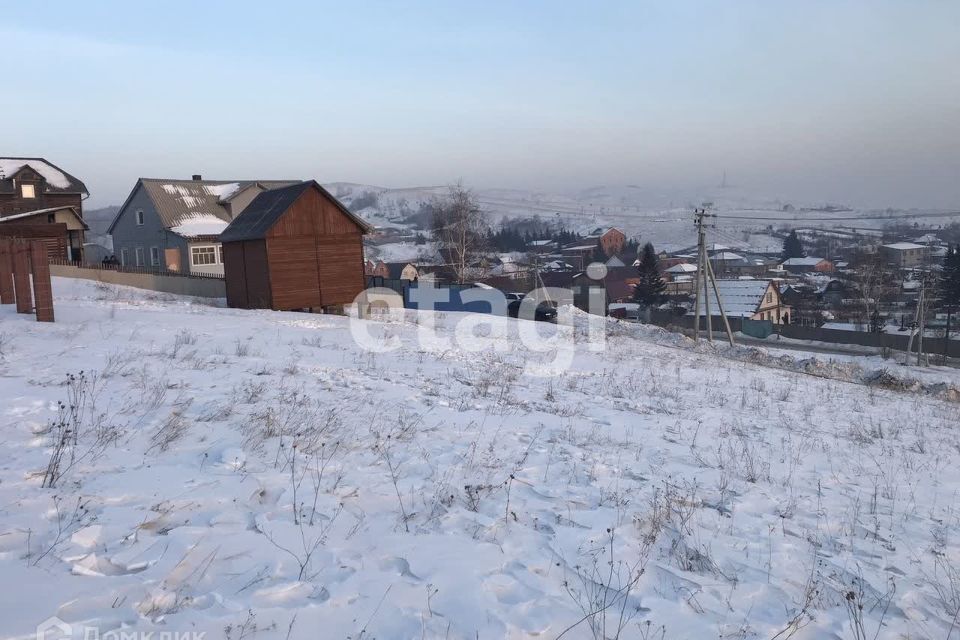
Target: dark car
[[545, 311]]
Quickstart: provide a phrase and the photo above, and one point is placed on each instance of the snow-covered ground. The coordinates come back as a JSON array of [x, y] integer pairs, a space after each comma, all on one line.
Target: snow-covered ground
[[251, 474]]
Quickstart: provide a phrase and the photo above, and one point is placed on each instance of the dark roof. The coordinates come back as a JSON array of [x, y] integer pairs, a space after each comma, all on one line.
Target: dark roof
[[261, 214], [395, 269], [56, 180]]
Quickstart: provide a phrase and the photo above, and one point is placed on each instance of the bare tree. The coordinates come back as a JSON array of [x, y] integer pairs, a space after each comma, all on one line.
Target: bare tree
[[460, 229], [873, 281]]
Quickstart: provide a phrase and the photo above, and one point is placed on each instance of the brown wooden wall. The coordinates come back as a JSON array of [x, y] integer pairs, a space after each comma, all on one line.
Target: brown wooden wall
[[11, 203], [53, 236], [315, 231], [341, 268], [294, 276], [247, 276]]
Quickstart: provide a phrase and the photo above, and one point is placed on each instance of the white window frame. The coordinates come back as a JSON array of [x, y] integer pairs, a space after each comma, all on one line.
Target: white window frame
[[123, 257], [139, 217], [206, 250], [28, 187], [138, 255], [219, 254], [154, 256]]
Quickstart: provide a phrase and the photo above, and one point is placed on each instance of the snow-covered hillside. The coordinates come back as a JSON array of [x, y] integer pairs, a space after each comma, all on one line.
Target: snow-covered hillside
[[662, 216], [252, 474]]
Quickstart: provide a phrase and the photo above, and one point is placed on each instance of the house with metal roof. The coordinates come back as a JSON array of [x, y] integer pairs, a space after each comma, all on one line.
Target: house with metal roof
[[749, 299], [809, 264], [176, 224]]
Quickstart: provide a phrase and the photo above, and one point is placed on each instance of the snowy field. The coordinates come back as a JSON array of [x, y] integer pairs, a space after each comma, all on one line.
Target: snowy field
[[251, 474], [661, 216]]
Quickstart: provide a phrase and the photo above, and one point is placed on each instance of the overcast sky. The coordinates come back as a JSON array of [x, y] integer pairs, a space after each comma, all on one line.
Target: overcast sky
[[845, 101]]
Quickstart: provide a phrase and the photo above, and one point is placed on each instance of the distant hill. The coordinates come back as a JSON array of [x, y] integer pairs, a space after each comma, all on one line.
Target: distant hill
[[99, 220]]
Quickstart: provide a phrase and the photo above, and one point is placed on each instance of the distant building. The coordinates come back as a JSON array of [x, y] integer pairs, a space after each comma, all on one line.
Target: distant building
[[610, 240], [542, 246], [905, 254], [811, 264], [750, 299]]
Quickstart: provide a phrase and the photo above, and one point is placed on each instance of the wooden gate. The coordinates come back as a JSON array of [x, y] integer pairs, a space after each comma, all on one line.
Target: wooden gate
[[25, 277]]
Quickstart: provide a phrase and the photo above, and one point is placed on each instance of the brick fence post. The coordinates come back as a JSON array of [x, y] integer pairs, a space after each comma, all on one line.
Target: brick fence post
[[6, 271], [42, 288], [21, 277]]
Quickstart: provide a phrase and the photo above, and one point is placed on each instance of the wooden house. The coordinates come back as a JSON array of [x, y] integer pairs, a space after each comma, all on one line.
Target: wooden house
[[39, 200], [295, 247], [749, 299]]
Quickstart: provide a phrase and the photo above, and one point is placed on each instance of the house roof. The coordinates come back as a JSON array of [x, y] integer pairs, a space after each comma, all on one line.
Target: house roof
[[726, 255], [261, 214], [903, 246], [810, 261], [37, 212], [57, 180], [741, 298], [194, 207], [395, 269], [683, 267]]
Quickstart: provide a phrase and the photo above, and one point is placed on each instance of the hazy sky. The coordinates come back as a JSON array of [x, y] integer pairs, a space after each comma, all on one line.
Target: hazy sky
[[844, 101]]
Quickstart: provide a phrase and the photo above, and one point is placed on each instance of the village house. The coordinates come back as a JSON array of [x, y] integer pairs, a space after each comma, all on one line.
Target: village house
[[797, 266], [749, 299], [40, 200], [905, 255], [542, 246], [176, 224], [610, 240]]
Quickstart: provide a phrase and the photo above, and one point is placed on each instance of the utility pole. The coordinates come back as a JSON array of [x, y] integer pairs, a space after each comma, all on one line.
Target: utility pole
[[922, 311], [706, 276], [918, 325]]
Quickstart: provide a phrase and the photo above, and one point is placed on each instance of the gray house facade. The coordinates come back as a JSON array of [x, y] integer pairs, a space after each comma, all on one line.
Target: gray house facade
[[175, 225]]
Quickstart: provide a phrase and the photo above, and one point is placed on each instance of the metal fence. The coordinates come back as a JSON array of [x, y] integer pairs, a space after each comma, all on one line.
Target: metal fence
[[895, 341], [153, 271], [407, 290]]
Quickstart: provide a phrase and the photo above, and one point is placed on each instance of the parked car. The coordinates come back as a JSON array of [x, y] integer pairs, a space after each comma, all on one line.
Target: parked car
[[545, 311]]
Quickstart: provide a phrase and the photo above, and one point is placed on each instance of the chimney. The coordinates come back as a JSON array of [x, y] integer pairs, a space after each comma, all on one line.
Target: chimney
[[197, 176]]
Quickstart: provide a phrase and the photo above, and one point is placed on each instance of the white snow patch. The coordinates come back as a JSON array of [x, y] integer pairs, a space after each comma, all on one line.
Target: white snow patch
[[9, 166], [201, 224], [222, 191]]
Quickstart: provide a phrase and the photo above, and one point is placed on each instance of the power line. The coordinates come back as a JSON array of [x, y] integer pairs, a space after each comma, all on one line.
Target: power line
[[845, 218]]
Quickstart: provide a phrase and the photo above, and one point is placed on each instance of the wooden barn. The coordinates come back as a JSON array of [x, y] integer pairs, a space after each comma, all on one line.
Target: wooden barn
[[294, 248]]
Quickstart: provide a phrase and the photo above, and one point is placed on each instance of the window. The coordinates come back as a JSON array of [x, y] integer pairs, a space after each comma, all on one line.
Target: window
[[220, 253], [203, 255], [139, 254], [154, 256], [770, 298], [28, 191], [123, 257], [139, 218]]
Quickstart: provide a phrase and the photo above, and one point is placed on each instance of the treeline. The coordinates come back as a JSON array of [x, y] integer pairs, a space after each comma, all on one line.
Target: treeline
[[512, 238]]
